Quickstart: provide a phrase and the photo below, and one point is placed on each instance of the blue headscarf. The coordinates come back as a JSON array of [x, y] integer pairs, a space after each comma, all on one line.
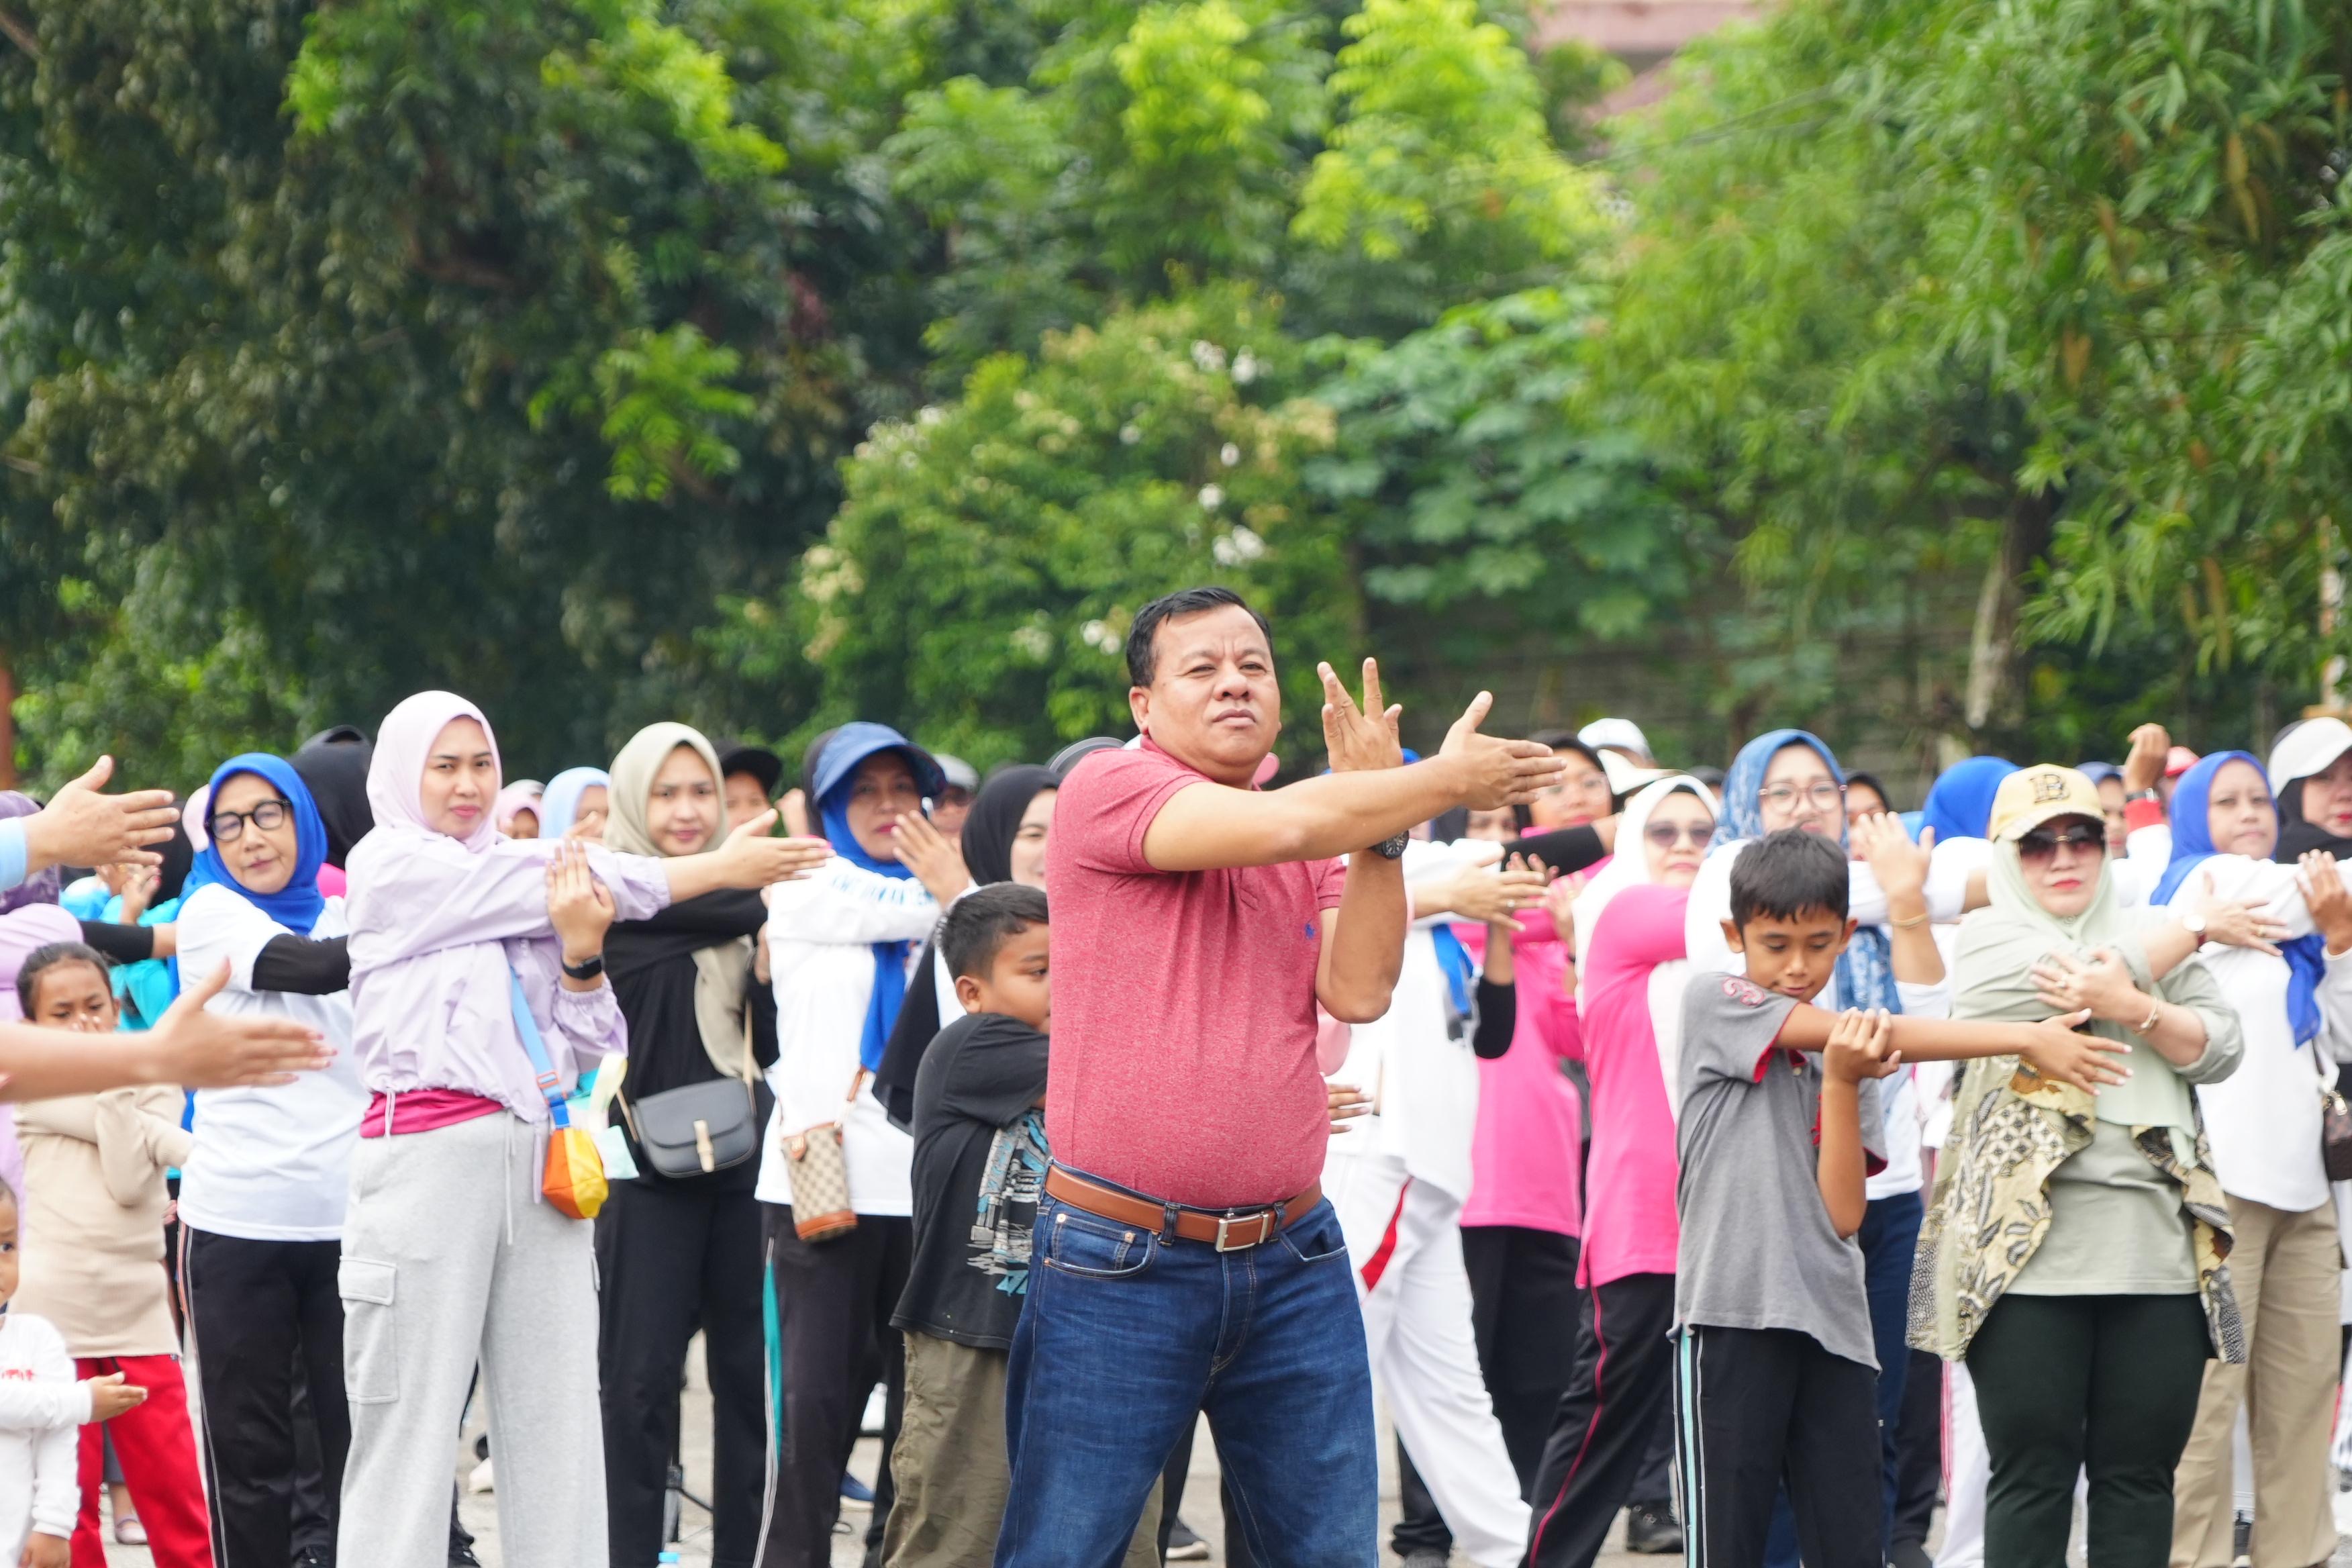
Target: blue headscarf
[[1865, 970], [297, 905], [2099, 772], [2192, 845], [560, 807], [837, 767], [1960, 805]]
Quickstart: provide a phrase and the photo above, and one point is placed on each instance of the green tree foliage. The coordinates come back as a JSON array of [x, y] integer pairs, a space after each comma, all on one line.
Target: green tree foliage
[[989, 554]]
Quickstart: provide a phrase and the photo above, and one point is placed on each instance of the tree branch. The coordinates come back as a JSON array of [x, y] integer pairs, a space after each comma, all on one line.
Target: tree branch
[[21, 34]]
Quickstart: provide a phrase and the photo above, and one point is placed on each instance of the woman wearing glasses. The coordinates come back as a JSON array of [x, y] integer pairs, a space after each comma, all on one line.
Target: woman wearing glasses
[[261, 1199], [2075, 1242]]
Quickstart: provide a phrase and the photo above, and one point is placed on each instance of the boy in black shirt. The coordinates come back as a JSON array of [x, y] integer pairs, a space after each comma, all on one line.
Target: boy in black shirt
[[980, 1160]]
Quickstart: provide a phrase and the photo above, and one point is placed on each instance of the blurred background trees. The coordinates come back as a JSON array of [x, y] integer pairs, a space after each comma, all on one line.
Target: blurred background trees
[[1940, 375]]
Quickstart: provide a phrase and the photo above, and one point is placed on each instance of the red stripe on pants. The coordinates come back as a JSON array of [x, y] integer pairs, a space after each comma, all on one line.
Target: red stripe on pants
[[158, 1451], [1377, 1263]]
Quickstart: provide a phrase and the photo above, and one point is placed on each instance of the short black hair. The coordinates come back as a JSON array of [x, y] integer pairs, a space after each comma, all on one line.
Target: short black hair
[[43, 959], [1786, 874], [983, 921], [1871, 783], [1142, 659]]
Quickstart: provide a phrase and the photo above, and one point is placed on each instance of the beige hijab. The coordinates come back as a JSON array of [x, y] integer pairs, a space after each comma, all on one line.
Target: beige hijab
[[722, 972]]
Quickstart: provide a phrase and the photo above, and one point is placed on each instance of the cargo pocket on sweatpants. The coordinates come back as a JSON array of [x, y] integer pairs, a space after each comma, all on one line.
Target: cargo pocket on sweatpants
[[371, 1342]]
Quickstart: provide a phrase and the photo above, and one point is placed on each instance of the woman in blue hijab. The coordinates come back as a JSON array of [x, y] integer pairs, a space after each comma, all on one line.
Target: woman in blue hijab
[[2263, 1122], [839, 943], [1960, 804], [575, 805], [262, 1196]]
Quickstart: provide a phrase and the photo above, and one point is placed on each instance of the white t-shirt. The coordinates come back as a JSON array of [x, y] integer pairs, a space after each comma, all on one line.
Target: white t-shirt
[[269, 1165], [819, 932], [2264, 1119], [42, 1406]]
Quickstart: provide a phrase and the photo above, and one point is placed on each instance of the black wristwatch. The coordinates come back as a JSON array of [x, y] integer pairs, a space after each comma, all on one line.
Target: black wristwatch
[[588, 970], [1393, 847]]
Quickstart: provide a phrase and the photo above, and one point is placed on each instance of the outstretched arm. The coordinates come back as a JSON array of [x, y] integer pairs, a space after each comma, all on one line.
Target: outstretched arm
[[2050, 1048], [188, 1047]]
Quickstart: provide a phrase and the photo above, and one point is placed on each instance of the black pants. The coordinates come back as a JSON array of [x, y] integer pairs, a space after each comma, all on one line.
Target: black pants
[[673, 1257], [2106, 1384], [1523, 1314], [1602, 1429], [833, 1303], [1172, 1477], [1764, 1408], [1919, 1450], [261, 1309]]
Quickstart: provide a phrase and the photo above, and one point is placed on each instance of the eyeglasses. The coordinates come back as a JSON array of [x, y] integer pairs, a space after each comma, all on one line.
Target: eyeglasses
[[1821, 797], [2081, 838], [1665, 835], [227, 826]]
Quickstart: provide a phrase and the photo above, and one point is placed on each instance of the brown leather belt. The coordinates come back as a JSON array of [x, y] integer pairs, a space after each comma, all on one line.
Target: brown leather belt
[[1232, 1231]]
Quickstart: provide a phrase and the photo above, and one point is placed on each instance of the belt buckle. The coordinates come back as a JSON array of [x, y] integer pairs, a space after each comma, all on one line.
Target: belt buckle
[[1226, 1222]]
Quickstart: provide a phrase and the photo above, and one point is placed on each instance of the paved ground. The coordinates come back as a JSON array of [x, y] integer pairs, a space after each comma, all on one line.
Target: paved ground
[[480, 1508]]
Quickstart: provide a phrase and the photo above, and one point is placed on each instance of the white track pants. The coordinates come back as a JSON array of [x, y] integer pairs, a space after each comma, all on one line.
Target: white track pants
[[1404, 1241]]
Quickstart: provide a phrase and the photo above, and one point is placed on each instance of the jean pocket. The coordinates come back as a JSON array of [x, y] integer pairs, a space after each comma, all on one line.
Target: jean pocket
[[1094, 1249], [1316, 1238], [371, 1334]]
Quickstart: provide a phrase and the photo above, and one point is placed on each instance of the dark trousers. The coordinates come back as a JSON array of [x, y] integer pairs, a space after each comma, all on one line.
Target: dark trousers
[[1172, 1478], [1889, 1238], [833, 1303], [673, 1257], [2106, 1384], [1767, 1408], [1602, 1429], [1919, 1450], [1523, 1314], [265, 1312]]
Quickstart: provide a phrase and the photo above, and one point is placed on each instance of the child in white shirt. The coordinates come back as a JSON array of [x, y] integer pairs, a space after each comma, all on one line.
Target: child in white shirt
[[40, 1406]]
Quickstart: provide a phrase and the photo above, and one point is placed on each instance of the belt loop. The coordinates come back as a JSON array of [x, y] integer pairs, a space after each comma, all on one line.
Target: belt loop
[[1167, 1223]]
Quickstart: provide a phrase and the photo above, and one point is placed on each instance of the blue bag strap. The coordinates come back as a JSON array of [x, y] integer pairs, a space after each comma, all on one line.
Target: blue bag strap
[[528, 1027]]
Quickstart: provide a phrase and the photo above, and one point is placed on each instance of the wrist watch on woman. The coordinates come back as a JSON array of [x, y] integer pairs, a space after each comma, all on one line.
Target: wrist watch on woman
[[586, 971], [2194, 920]]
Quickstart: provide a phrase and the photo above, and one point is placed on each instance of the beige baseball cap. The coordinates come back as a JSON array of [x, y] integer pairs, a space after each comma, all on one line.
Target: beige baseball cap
[[2032, 796]]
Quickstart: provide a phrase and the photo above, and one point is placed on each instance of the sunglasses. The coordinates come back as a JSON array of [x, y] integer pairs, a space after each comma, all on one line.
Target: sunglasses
[[2042, 843], [1665, 835], [228, 827]]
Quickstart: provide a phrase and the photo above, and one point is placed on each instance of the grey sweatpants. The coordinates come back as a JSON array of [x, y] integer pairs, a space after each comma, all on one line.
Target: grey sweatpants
[[448, 1255]]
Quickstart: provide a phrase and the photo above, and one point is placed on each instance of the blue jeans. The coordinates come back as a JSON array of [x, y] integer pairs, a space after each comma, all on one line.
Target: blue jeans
[[1888, 1237], [1129, 1335]]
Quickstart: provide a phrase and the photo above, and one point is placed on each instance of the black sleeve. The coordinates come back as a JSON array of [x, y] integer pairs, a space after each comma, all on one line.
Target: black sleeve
[[1564, 849], [308, 967], [121, 943], [764, 1045], [994, 1079], [911, 1040], [682, 929], [1498, 1018]]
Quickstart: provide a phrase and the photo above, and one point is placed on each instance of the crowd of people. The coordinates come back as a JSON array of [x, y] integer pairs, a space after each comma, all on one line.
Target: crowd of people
[[1726, 1152]]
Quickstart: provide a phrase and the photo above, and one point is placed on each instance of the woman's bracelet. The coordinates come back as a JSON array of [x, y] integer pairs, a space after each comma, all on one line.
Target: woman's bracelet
[[2155, 1010], [1918, 920]]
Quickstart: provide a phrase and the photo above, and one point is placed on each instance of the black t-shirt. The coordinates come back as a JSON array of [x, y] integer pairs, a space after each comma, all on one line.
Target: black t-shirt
[[651, 966], [980, 1164]]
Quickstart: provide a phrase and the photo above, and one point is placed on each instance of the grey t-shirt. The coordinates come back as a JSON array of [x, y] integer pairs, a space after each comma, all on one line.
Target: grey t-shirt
[[1758, 1248]]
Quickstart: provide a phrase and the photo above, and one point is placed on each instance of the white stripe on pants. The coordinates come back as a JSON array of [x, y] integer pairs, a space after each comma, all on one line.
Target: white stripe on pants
[[1417, 1328], [448, 1257]]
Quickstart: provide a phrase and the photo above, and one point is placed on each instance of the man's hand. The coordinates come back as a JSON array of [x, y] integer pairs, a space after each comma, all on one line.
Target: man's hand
[[2055, 1050], [1859, 1046], [750, 857], [932, 855], [1497, 772], [1900, 866], [579, 906], [2325, 895], [195, 1049], [1358, 739], [109, 1396], [45, 1552], [80, 826], [2150, 745]]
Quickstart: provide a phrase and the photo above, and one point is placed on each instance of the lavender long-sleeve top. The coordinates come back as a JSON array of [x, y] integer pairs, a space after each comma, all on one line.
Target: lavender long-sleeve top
[[434, 929]]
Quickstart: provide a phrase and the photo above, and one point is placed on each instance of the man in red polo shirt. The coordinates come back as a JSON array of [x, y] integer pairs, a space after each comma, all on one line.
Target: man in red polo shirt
[[1185, 1261]]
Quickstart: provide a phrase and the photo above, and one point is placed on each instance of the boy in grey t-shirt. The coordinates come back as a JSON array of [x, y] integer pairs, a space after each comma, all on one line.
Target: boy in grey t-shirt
[[1778, 1375]]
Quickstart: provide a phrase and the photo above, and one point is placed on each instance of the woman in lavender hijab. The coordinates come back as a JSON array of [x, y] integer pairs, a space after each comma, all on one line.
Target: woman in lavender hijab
[[460, 940]]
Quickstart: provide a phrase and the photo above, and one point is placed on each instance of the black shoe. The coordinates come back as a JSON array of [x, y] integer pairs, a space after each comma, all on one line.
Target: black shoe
[[1910, 1554], [1650, 1530], [2242, 1538], [314, 1557], [1184, 1545], [461, 1555]]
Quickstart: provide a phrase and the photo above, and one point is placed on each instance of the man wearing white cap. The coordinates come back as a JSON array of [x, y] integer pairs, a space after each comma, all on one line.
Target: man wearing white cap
[[1620, 735]]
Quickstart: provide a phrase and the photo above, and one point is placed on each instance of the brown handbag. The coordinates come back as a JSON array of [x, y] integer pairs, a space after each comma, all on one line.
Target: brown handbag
[[820, 1177]]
